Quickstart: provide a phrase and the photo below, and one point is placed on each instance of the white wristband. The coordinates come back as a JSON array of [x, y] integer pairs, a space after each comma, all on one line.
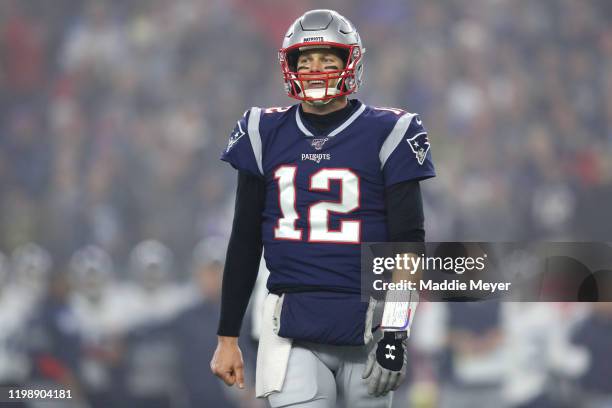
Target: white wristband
[[400, 307]]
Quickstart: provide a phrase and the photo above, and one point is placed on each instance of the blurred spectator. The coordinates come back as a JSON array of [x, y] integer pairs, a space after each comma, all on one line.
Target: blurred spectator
[[24, 57]]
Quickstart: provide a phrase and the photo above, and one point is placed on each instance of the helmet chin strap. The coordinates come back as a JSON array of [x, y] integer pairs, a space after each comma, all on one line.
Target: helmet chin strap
[[322, 102], [321, 93]]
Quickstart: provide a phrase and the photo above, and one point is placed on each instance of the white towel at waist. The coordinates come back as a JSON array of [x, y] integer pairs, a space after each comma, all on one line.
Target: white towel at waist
[[273, 352]]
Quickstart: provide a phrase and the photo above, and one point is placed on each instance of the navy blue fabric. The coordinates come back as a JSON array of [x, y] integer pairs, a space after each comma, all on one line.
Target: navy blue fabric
[[474, 317], [327, 266], [593, 334], [323, 317], [357, 148], [239, 151], [404, 164]]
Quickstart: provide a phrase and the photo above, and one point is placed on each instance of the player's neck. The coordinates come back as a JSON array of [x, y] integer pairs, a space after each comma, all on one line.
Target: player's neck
[[335, 105]]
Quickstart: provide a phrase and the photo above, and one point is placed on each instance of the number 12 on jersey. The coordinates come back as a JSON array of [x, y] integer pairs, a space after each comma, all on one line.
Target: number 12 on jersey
[[349, 231]]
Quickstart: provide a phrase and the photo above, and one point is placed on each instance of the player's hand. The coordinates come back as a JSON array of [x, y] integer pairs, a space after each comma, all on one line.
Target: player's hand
[[386, 366], [227, 362]]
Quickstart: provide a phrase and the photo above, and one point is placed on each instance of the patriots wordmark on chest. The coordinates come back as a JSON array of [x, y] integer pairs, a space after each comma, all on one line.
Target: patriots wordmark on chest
[[316, 157]]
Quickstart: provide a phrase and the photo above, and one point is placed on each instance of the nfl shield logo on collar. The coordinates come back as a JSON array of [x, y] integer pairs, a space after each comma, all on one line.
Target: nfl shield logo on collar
[[318, 143]]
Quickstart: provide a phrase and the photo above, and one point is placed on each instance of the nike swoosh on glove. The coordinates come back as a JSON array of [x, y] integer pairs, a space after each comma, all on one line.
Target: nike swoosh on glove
[[386, 366]]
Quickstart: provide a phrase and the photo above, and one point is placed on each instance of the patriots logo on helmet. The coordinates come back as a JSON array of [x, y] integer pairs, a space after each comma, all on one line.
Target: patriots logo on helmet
[[318, 143], [235, 136], [420, 146]]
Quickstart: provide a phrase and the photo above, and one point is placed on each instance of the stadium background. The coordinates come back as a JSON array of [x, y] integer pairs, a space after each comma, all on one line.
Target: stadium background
[[112, 118]]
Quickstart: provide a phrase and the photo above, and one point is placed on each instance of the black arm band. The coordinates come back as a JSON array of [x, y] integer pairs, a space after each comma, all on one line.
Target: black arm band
[[243, 254]]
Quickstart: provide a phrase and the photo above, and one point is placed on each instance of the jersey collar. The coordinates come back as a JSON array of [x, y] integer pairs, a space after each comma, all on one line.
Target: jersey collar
[[344, 125]]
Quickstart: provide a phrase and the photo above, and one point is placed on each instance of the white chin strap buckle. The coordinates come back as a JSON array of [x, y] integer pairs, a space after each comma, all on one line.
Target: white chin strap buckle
[[318, 93]]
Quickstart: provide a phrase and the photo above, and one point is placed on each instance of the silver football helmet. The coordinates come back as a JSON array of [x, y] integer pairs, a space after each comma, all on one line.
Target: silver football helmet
[[209, 251], [91, 269], [31, 265], [151, 264], [322, 29]]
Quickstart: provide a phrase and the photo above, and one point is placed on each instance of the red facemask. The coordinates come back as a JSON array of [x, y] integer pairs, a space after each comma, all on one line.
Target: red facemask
[[295, 81]]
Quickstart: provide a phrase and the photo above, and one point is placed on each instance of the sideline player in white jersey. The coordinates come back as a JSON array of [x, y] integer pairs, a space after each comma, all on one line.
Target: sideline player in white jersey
[[31, 268], [13, 316], [99, 306], [23, 283], [157, 296], [317, 179], [150, 356]]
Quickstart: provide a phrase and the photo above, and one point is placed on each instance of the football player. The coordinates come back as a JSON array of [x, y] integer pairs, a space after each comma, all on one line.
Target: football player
[[31, 269], [150, 354], [155, 293], [99, 309], [314, 181], [14, 366]]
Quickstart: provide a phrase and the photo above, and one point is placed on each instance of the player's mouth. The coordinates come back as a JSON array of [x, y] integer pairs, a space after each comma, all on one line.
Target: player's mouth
[[316, 84]]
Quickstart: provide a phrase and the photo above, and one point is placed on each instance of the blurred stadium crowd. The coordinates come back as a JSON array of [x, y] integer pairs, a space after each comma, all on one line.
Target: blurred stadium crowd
[[114, 208]]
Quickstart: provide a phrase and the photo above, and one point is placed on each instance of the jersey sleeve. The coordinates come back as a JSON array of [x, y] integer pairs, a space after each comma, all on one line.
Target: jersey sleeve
[[243, 149], [406, 154]]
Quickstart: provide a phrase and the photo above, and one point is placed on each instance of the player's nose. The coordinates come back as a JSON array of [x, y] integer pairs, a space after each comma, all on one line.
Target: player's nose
[[316, 65]]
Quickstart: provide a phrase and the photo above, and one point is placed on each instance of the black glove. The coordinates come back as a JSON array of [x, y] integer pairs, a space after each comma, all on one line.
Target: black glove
[[386, 366]]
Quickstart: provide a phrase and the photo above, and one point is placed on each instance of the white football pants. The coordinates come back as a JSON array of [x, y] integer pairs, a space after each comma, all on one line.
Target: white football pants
[[324, 376]]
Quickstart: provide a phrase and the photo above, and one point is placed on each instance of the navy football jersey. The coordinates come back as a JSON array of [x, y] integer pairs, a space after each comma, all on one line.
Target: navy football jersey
[[325, 192]]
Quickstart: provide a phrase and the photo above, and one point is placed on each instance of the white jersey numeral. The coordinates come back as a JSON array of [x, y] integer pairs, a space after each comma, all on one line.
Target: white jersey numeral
[[285, 228], [318, 213], [349, 231]]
